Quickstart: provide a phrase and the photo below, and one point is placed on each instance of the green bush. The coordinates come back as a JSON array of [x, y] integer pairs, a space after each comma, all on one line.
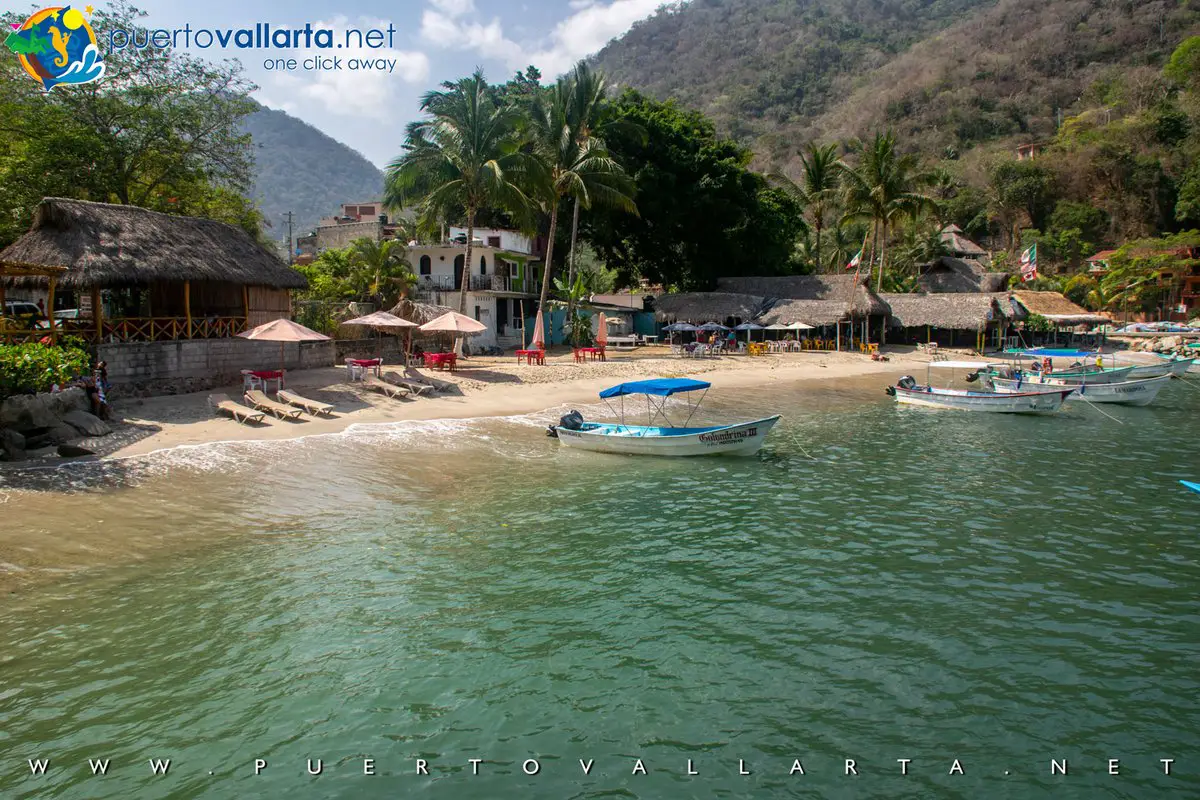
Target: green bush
[[27, 368]]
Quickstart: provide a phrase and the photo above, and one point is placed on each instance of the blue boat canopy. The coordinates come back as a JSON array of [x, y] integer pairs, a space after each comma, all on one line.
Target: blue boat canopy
[[1047, 351], [660, 387]]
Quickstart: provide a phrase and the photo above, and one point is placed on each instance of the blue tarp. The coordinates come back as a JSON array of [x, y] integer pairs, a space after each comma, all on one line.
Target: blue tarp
[[1046, 351], [660, 387]]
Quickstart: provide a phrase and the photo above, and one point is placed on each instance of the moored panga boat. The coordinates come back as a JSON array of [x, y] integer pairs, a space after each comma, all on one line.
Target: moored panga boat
[[741, 438], [1130, 393], [1037, 400]]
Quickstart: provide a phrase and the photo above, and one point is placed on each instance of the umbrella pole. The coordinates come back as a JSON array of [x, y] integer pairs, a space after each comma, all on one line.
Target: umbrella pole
[[281, 363]]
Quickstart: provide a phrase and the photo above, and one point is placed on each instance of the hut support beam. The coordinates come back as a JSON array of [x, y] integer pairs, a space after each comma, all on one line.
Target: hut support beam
[[98, 314], [246, 304], [3, 308], [187, 309], [50, 311]]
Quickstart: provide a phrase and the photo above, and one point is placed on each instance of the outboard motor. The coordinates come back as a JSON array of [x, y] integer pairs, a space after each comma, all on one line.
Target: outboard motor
[[973, 376], [572, 421], [907, 382]]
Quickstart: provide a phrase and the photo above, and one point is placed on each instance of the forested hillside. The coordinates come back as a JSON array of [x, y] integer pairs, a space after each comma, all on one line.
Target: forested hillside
[[943, 73], [299, 169]]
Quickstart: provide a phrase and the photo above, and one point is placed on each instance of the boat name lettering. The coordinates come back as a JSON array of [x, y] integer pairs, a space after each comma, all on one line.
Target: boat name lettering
[[728, 436]]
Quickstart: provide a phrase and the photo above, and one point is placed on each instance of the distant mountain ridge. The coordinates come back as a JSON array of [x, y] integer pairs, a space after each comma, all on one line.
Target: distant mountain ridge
[[298, 168], [946, 74]]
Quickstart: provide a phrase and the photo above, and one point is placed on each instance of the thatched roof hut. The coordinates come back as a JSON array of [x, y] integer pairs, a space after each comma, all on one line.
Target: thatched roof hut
[[103, 245], [419, 313], [959, 245], [825, 293], [963, 311], [700, 307], [1057, 308], [960, 275], [810, 312]]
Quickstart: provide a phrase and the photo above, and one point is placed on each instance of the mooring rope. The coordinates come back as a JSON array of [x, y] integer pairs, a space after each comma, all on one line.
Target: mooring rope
[[1102, 411]]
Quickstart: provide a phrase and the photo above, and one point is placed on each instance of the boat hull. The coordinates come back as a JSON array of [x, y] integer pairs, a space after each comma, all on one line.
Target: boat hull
[[1108, 375], [1130, 393], [1154, 371], [1035, 402], [744, 438], [1195, 487]]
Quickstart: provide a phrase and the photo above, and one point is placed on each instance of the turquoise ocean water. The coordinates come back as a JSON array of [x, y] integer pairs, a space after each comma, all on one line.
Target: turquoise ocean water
[[880, 583]]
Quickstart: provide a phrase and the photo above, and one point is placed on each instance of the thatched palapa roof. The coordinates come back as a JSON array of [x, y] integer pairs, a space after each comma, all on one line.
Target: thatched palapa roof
[[856, 298], [1057, 308], [964, 311], [959, 245], [700, 307], [103, 245], [960, 275], [419, 313]]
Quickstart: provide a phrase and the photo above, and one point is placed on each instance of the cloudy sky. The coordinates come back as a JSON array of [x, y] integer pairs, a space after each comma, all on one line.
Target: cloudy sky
[[435, 40]]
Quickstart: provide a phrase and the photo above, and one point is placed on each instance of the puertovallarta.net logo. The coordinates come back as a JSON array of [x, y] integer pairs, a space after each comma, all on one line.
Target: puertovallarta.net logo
[[57, 46]]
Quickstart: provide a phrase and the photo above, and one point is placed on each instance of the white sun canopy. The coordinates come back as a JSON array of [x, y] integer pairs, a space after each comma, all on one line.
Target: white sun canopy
[[963, 364]]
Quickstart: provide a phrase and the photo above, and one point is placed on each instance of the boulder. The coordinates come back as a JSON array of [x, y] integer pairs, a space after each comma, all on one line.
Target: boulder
[[73, 451], [73, 399], [24, 411], [87, 424], [12, 445], [1168, 343], [62, 434]]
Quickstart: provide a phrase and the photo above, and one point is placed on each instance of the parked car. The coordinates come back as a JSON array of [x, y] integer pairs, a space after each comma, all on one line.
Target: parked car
[[22, 312]]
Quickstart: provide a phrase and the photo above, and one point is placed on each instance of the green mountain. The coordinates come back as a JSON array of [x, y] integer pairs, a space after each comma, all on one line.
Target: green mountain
[[299, 169], [946, 74]]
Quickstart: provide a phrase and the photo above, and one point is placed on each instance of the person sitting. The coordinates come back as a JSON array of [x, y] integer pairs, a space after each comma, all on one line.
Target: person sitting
[[99, 394]]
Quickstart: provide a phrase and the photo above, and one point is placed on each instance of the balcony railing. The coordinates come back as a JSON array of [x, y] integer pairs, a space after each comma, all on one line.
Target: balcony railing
[[134, 329], [501, 283]]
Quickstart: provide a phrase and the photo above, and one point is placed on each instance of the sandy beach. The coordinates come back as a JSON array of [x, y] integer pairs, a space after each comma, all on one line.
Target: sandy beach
[[483, 386]]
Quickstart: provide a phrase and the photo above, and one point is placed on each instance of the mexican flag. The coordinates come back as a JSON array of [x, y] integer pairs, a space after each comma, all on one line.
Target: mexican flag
[[854, 262], [1029, 264]]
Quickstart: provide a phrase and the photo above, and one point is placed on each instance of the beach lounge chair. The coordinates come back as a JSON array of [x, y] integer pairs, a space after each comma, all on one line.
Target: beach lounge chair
[[259, 400], [221, 402], [395, 392], [311, 406], [416, 377], [417, 389]]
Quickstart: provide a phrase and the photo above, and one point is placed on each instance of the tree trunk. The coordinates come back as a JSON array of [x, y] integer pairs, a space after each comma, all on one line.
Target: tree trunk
[[546, 271], [466, 268], [571, 271], [820, 266], [882, 255]]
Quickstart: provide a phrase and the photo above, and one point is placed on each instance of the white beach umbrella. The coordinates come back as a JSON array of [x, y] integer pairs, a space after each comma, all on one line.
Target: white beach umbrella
[[453, 322], [538, 340], [283, 331], [602, 332]]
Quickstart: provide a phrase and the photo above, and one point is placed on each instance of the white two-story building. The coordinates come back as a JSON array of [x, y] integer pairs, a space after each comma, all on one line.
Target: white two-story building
[[505, 279]]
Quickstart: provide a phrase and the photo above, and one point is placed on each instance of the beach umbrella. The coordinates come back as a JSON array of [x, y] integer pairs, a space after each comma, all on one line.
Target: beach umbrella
[[283, 331], [382, 321], [799, 326], [456, 323], [777, 326], [748, 327], [602, 331], [713, 326], [538, 341], [680, 327]]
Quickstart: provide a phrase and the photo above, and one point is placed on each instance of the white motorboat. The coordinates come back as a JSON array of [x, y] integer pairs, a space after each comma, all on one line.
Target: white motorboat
[[740, 438], [1130, 393], [1038, 400], [1178, 365]]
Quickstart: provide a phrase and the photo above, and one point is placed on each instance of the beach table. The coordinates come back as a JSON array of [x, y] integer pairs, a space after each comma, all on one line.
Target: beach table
[[441, 360], [257, 378], [594, 353], [359, 367], [532, 356]]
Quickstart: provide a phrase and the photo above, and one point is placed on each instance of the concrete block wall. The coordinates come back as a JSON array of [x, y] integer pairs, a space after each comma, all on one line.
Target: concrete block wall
[[193, 365]]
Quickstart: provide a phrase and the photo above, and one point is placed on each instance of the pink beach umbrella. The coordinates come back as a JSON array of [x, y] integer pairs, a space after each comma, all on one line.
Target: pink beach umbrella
[[602, 333], [538, 342], [283, 331]]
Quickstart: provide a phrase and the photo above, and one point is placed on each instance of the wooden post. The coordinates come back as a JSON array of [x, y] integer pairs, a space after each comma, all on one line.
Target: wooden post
[[50, 312], [187, 309], [246, 304], [3, 308], [98, 314]]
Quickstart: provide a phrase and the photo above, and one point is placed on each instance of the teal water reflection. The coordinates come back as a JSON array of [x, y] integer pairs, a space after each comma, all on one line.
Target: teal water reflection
[[880, 583]]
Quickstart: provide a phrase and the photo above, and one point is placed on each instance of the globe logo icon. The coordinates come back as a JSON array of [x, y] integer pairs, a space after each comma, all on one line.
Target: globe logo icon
[[57, 46]]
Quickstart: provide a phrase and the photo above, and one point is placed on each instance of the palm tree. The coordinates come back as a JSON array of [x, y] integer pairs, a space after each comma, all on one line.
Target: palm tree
[[377, 262], [817, 189], [882, 188], [466, 156], [578, 167]]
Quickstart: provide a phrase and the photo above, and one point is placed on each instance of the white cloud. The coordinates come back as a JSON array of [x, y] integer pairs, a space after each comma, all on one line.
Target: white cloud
[[363, 92], [487, 40], [584, 32], [454, 8]]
